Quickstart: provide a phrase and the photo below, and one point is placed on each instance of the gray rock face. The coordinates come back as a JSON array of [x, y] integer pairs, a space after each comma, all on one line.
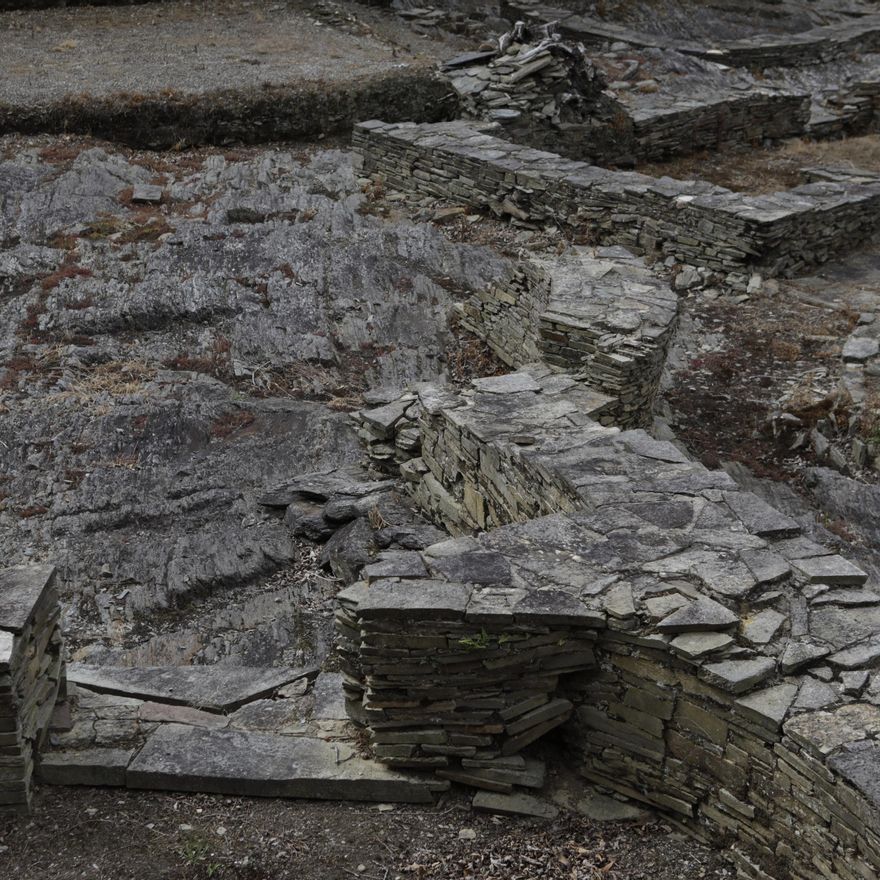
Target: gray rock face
[[187, 334]]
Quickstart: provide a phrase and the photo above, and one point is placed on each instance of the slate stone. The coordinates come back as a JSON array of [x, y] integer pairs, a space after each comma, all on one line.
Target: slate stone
[[476, 567], [799, 653], [769, 706], [555, 606], [859, 656], [703, 615], [763, 627], [21, 588], [859, 764], [618, 602], [321, 486], [767, 567], [824, 731], [425, 599], [858, 349], [815, 694], [829, 570], [759, 517], [736, 676], [514, 805], [329, 697], [180, 758], [849, 598], [510, 383], [493, 604], [213, 688], [86, 767], [844, 627], [398, 565], [602, 808], [694, 645], [146, 193], [7, 640]]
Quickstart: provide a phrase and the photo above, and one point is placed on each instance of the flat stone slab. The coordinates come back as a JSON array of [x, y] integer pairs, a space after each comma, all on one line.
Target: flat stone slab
[[830, 570], [86, 767], [213, 688], [181, 758], [20, 590], [514, 805]]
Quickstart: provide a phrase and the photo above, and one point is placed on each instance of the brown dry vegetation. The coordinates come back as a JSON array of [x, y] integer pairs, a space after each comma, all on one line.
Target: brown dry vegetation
[[746, 169]]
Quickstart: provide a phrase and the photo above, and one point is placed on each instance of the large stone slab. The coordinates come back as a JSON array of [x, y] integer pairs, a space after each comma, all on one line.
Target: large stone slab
[[20, 590], [181, 758], [213, 688], [85, 767]]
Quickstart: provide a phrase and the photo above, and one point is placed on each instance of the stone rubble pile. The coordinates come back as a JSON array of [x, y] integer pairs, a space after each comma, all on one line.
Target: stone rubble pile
[[31, 675], [389, 431], [543, 92]]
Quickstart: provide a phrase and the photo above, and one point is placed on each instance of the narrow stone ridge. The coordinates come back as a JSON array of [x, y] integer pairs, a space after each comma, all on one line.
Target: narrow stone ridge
[[723, 672], [695, 222]]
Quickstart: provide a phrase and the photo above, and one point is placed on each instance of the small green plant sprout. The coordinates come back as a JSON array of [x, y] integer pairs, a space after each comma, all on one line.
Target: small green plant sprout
[[476, 642]]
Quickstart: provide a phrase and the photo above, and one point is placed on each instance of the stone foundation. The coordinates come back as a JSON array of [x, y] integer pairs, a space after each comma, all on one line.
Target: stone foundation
[[694, 222], [702, 654], [601, 315], [31, 675]]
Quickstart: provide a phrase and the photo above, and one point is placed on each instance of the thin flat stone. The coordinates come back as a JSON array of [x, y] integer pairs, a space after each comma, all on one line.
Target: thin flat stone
[[859, 764], [146, 193], [815, 694], [478, 567], [761, 628], [86, 767], [829, 570], [212, 688], [737, 676], [799, 653], [399, 565], [759, 517], [329, 697], [822, 731], [857, 657], [769, 706], [693, 645], [858, 349], [767, 566], [703, 615], [427, 599], [180, 758], [21, 588], [511, 383], [514, 805]]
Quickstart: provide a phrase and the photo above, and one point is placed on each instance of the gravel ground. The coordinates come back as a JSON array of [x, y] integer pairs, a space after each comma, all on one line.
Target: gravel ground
[[198, 47]]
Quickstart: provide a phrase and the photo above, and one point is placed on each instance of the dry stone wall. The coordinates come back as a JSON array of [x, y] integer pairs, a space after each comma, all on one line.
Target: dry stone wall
[[712, 660], [544, 92], [821, 44], [601, 315], [694, 222], [31, 675]]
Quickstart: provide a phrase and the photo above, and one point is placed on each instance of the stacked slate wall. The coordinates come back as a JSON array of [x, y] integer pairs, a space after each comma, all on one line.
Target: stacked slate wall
[[31, 675]]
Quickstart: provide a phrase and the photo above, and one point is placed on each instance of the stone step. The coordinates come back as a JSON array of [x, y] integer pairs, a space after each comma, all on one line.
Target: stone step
[[181, 758]]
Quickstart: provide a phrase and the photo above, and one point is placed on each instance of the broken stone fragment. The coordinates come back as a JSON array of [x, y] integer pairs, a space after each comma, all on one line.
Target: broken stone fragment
[[704, 614], [514, 805]]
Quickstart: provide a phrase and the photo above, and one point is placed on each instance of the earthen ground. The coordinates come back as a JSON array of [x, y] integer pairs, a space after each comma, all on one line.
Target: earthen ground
[[757, 171], [76, 833]]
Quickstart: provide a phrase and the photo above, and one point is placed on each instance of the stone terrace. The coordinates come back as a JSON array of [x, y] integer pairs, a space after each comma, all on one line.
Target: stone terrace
[[695, 222], [821, 44], [725, 663]]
